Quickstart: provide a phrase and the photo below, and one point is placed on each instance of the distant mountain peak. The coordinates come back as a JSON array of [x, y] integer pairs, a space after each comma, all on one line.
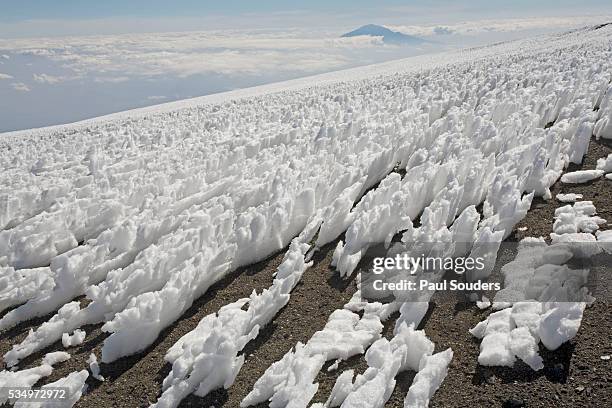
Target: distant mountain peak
[[389, 36]]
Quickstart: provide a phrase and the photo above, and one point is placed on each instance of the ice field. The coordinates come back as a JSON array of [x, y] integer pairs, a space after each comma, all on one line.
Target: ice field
[[143, 211]]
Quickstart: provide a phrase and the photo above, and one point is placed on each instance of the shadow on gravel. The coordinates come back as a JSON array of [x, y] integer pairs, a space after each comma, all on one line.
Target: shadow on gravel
[[8, 309], [605, 142], [336, 282], [403, 381], [17, 333], [556, 369], [430, 310]]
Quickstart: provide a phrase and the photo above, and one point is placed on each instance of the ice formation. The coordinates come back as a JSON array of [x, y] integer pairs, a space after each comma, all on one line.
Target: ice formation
[[28, 377], [432, 371], [346, 334], [94, 367], [55, 357], [542, 299], [605, 164], [604, 238], [385, 360], [577, 218], [581, 176], [76, 338], [289, 381], [569, 197], [22, 378], [207, 358], [143, 211], [603, 127], [75, 386]]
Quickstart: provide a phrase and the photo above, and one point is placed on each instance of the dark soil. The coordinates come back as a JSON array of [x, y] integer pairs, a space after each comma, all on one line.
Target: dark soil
[[574, 375]]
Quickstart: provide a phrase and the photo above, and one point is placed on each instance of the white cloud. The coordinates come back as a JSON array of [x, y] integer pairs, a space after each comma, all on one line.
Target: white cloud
[[5, 76], [37, 52], [249, 53], [441, 30], [478, 27], [112, 80], [48, 79], [156, 97], [20, 86], [114, 58]]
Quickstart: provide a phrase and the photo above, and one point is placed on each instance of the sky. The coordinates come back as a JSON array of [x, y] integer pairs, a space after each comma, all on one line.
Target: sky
[[67, 60]]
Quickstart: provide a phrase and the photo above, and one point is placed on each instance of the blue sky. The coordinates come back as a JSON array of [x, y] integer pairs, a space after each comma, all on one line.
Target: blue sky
[[67, 60], [27, 18], [70, 9]]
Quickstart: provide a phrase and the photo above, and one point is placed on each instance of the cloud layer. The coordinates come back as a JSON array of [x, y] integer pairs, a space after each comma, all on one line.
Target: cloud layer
[[480, 27], [184, 54], [60, 79], [244, 53]]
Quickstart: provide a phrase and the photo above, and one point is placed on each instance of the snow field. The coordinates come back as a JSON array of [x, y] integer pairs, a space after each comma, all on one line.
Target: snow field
[[143, 214], [542, 299]]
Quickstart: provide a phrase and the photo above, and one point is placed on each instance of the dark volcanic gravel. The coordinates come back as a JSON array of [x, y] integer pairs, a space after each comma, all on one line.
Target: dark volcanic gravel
[[574, 375]]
